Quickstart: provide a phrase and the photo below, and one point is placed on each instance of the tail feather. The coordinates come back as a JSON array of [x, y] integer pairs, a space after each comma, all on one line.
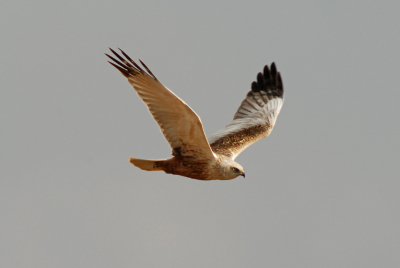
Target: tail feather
[[149, 165]]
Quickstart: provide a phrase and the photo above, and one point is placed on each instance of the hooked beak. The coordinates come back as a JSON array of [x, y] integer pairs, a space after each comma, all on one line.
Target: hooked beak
[[244, 176]]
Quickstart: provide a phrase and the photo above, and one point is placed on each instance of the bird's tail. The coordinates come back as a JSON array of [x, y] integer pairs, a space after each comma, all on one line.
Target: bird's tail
[[149, 165]]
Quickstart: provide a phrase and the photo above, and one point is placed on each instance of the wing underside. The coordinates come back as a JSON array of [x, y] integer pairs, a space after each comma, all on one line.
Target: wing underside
[[255, 118], [180, 125]]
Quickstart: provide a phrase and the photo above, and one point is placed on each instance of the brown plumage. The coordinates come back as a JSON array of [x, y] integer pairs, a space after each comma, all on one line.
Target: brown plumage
[[232, 143], [193, 155]]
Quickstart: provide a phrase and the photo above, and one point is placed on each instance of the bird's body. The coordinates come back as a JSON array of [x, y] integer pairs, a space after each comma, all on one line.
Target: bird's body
[[192, 167], [189, 166], [193, 155]]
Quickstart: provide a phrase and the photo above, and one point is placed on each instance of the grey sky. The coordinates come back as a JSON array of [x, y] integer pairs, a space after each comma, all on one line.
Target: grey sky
[[321, 191]]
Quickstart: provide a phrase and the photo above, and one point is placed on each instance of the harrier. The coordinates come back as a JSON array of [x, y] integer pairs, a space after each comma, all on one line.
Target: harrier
[[193, 155]]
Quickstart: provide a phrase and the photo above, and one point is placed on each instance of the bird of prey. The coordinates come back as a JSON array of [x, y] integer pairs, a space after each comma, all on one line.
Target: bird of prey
[[193, 155]]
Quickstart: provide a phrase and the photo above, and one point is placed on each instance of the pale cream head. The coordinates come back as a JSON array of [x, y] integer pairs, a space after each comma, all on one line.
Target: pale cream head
[[230, 169]]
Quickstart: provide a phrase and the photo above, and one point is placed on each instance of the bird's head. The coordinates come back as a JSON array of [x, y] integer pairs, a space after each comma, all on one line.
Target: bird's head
[[231, 169]]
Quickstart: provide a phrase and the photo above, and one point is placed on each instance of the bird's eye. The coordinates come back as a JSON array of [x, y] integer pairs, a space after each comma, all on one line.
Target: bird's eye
[[235, 169]]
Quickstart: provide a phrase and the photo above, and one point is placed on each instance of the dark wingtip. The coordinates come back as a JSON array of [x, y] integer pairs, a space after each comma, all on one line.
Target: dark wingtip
[[117, 61], [273, 69], [126, 56], [260, 80], [254, 87], [128, 67], [111, 50], [269, 81], [279, 80], [266, 72], [123, 71], [148, 70]]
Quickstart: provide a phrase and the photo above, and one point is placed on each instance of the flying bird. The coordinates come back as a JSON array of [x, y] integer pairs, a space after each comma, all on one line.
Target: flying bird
[[193, 155]]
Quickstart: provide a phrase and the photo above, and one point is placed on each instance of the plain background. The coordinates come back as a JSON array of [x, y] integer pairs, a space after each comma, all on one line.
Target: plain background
[[321, 191]]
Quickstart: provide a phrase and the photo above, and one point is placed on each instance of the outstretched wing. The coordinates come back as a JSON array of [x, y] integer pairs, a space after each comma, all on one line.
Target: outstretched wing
[[180, 125], [255, 117]]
